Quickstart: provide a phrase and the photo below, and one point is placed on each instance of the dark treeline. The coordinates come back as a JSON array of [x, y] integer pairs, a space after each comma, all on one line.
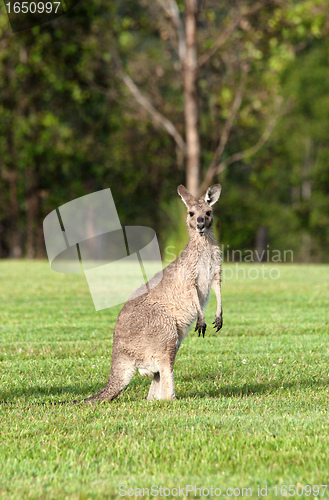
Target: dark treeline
[[142, 96]]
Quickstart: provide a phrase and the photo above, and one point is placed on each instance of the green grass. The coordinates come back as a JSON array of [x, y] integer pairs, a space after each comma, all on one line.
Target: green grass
[[252, 405]]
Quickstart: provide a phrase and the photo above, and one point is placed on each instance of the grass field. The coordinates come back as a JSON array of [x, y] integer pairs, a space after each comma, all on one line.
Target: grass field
[[252, 400]]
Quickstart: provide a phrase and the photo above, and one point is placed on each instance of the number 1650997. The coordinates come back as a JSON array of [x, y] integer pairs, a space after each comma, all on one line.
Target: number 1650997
[[32, 7]]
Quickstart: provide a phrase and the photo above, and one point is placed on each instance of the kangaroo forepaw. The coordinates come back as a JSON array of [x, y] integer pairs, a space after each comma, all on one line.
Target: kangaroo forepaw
[[201, 327], [218, 323]]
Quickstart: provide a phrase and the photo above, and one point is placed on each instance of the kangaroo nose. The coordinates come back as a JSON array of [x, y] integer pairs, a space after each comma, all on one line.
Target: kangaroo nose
[[200, 223]]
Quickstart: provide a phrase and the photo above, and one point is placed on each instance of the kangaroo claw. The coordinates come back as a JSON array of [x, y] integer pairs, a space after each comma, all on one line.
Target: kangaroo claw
[[201, 327], [218, 323]]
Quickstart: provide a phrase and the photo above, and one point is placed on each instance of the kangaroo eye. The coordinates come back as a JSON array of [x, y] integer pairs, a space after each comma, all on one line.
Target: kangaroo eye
[[191, 214], [208, 214]]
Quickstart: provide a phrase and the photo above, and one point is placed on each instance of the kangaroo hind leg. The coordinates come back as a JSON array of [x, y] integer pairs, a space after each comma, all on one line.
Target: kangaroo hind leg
[[162, 386], [154, 392], [167, 389], [122, 371]]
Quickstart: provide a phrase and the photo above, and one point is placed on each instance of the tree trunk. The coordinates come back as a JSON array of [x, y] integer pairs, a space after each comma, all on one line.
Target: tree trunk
[[15, 240], [261, 244], [31, 212], [40, 245], [190, 99], [40, 241], [15, 247]]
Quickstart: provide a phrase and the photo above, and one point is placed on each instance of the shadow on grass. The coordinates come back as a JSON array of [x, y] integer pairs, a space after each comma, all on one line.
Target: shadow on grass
[[254, 389], [72, 392], [68, 391]]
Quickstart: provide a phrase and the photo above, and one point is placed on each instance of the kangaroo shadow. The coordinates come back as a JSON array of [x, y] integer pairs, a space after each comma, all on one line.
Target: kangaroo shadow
[[75, 391], [81, 391], [254, 388]]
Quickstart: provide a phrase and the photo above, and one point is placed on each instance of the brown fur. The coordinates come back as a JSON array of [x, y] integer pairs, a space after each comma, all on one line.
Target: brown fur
[[151, 327]]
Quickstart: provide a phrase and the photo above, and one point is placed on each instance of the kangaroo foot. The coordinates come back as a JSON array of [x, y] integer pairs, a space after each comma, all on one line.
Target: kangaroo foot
[[201, 327], [218, 323]]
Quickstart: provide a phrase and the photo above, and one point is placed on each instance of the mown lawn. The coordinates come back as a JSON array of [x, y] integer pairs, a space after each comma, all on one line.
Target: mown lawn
[[252, 407]]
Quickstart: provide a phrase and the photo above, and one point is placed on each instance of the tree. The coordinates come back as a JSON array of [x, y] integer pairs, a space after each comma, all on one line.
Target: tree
[[224, 53], [305, 149], [86, 108], [42, 137]]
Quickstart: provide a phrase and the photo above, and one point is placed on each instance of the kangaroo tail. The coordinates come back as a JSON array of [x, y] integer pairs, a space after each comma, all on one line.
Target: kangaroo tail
[[121, 374]]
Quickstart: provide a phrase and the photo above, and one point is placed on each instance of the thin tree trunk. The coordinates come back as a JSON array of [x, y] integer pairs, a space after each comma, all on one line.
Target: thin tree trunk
[[4, 219], [261, 244], [15, 250], [31, 212], [190, 99], [15, 241], [2, 237], [40, 243]]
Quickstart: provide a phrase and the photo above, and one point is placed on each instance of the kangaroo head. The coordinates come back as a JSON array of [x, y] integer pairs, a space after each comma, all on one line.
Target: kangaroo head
[[200, 218]]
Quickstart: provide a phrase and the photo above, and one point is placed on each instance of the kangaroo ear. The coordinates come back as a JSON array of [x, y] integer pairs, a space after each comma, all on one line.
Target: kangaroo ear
[[186, 196], [212, 194]]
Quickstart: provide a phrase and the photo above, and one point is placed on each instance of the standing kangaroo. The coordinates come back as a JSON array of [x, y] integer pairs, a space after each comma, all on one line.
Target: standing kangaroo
[[151, 327]]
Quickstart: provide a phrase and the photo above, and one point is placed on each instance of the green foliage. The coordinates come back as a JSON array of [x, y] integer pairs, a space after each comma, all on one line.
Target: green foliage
[[305, 147], [252, 403], [175, 233], [69, 126]]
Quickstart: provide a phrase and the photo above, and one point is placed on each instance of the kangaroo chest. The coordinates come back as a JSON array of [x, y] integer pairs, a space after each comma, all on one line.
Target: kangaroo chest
[[207, 265]]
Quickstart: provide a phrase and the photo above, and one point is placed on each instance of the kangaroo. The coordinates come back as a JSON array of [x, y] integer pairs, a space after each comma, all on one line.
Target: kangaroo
[[150, 328]]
